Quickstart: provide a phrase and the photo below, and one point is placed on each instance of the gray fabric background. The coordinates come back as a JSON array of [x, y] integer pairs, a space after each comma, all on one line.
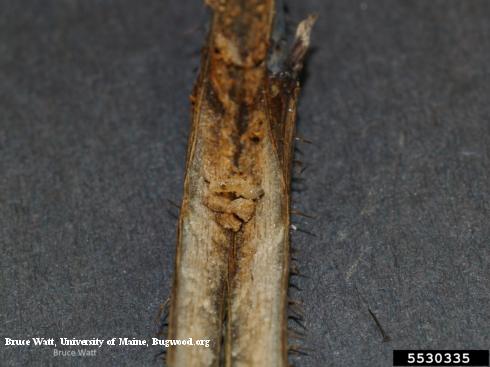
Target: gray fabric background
[[94, 115]]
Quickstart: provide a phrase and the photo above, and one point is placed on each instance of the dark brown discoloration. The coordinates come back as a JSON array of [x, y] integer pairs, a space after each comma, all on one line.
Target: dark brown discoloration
[[233, 249]]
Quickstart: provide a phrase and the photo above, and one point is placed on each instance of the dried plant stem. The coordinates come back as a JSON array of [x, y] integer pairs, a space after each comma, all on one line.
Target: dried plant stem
[[232, 263]]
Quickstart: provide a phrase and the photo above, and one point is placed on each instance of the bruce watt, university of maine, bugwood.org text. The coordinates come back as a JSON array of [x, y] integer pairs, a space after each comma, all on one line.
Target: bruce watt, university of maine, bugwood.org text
[[96, 342]]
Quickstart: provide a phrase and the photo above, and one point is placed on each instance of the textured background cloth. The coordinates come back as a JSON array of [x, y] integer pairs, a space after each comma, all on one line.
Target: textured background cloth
[[94, 115]]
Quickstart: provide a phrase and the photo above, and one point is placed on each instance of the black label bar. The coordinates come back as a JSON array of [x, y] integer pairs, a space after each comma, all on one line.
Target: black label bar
[[440, 358]]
